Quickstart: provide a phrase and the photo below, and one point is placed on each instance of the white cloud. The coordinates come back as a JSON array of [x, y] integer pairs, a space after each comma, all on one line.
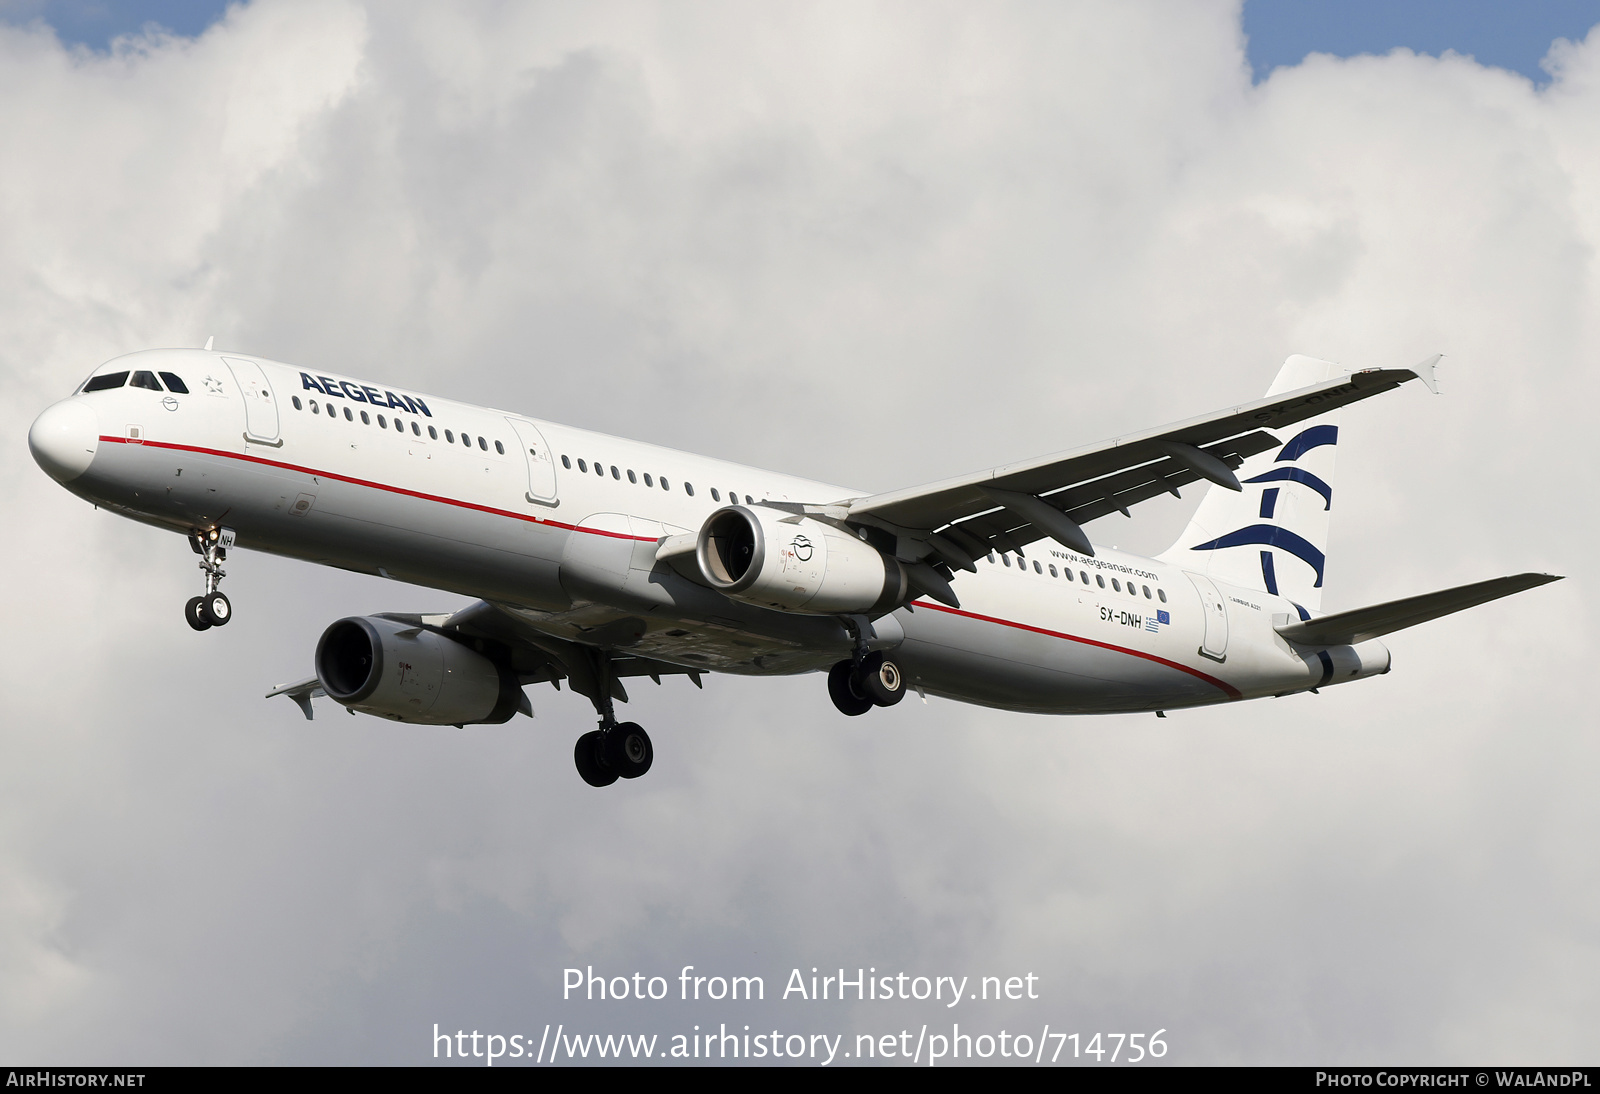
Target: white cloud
[[876, 244]]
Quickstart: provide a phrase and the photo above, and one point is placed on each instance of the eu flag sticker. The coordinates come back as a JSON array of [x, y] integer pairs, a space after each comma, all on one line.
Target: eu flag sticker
[[1163, 617]]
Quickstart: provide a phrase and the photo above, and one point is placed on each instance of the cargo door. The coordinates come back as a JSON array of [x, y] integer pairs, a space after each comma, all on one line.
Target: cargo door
[[1215, 610], [541, 462], [260, 409]]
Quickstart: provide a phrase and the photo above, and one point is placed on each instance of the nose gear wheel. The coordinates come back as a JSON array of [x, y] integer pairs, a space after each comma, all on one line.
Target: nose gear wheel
[[213, 609], [191, 612]]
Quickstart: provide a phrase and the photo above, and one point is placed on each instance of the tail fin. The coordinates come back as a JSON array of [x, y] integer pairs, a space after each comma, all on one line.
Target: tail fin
[[1273, 535]]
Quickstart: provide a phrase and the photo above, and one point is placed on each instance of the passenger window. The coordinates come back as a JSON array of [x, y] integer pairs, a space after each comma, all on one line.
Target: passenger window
[[567, 463], [433, 434], [1007, 560], [632, 477], [1100, 580], [615, 473], [1038, 569], [381, 423], [1161, 594], [107, 382], [482, 444], [1066, 572], [449, 436], [714, 495], [647, 480], [665, 485], [364, 419], [466, 440], [415, 432], [295, 399], [582, 466], [1085, 577], [688, 488], [146, 380], [598, 470], [991, 558], [1116, 585], [174, 383], [748, 500], [1053, 570], [399, 426], [347, 415], [500, 448], [1146, 589], [315, 409]]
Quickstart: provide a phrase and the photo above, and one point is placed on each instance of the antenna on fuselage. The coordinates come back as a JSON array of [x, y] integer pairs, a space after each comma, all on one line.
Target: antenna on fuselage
[[210, 340]]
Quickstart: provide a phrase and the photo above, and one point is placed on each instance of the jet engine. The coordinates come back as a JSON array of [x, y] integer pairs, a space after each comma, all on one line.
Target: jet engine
[[795, 564], [412, 674]]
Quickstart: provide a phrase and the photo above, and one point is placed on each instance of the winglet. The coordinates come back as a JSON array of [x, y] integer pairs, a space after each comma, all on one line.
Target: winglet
[[1425, 372]]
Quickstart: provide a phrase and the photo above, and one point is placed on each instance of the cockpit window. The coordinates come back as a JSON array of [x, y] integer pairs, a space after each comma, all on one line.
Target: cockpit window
[[174, 384], [106, 382], [146, 380]]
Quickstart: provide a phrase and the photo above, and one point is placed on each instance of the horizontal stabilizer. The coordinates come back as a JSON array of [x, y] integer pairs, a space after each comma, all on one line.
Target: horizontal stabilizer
[[1348, 628], [302, 693]]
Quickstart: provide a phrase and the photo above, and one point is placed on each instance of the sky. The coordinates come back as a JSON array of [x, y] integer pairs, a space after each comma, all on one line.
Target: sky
[[1279, 32], [876, 244]]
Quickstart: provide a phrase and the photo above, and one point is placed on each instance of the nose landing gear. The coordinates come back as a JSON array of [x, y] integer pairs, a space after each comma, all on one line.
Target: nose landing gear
[[213, 609]]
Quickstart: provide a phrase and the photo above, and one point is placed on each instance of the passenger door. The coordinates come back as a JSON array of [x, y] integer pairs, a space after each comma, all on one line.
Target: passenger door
[[260, 409], [541, 462], [1212, 605]]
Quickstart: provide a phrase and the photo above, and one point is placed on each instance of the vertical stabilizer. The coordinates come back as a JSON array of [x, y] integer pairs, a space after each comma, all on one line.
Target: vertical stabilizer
[[1273, 535]]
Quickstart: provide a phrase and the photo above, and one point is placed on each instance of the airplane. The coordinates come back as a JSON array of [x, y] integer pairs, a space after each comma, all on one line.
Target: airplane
[[596, 560]]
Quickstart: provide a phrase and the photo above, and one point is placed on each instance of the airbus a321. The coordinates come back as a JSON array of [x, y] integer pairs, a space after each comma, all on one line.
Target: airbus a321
[[599, 562]]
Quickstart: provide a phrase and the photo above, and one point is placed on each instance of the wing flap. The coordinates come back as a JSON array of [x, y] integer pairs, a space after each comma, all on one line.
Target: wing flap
[[1362, 624]]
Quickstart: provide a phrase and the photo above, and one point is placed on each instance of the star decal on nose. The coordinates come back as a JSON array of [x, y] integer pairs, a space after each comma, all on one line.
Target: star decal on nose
[[213, 385]]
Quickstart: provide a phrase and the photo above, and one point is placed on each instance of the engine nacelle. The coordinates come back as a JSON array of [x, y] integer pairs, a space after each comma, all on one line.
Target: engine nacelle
[[795, 564], [409, 674]]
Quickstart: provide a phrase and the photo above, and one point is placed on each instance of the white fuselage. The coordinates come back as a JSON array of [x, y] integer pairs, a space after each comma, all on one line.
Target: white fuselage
[[562, 524]]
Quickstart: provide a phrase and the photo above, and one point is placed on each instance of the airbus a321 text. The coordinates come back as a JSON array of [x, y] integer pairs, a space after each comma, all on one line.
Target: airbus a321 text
[[600, 561]]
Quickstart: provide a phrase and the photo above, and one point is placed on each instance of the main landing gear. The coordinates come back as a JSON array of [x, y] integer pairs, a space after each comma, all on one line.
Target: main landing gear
[[869, 679], [213, 609], [614, 751], [611, 752]]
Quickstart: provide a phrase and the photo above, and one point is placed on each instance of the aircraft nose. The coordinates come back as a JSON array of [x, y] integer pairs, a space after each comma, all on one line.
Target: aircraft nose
[[64, 438]]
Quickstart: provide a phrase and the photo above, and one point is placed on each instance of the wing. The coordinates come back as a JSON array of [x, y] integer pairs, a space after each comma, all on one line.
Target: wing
[[1007, 508], [536, 657]]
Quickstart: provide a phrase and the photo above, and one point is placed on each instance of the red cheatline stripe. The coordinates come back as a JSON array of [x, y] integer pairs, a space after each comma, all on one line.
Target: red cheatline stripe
[[378, 486], [1227, 689]]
